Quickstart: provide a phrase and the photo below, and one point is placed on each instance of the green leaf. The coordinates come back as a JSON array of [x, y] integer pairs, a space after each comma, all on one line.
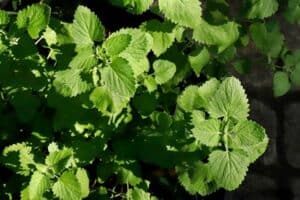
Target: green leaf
[[228, 169], [145, 103], [19, 157], [208, 132], [133, 6], [119, 78], [182, 12], [295, 75], [195, 178], [261, 8], [137, 194], [117, 43], [267, 38], [221, 35], [38, 185], [198, 59], [229, 101], [281, 83], [164, 70], [128, 176], [246, 133], [292, 12], [83, 179], [86, 27], [134, 50], [34, 18], [69, 83], [163, 35], [207, 90], [102, 99], [84, 60], [4, 18], [59, 160], [190, 99], [67, 187]]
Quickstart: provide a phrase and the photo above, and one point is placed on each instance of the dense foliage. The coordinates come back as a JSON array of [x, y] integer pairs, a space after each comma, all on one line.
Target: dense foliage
[[89, 113]]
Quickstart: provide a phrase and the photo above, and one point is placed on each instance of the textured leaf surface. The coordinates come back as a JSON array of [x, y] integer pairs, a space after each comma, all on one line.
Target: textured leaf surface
[[59, 160], [190, 99], [69, 83], [164, 70], [84, 60], [38, 185], [261, 8], [67, 187], [34, 18], [183, 12], [195, 178], [119, 78], [208, 132], [163, 35], [221, 35], [83, 180], [86, 27], [229, 100], [228, 169]]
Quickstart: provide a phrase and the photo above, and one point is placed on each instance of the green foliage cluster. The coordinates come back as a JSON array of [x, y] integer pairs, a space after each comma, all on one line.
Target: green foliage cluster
[[84, 110]]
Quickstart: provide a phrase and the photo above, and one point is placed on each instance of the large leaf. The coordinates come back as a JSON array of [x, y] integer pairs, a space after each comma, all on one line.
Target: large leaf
[[198, 59], [190, 99], [183, 12], [221, 35], [84, 60], [228, 169], [38, 185], [86, 27], [34, 18], [229, 101], [67, 187], [119, 78]]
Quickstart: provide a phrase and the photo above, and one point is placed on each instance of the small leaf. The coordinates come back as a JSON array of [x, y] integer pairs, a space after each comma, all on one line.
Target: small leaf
[[281, 83], [198, 59], [190, 99], [164, 70], [67, 187]]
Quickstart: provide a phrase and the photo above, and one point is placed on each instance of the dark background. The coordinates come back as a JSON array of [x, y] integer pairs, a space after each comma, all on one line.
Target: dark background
[[276, 175]]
